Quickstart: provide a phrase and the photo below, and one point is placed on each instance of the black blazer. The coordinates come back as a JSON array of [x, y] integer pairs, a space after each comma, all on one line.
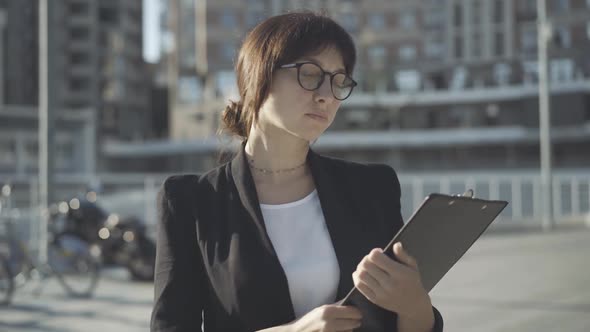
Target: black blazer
[[215, 260]]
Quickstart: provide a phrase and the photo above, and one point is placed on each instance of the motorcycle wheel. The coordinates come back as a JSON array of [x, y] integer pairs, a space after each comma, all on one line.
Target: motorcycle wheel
[[6, 282], [142, 265], [75, 263]]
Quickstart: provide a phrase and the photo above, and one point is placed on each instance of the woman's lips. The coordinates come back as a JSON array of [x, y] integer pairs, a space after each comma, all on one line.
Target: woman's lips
[[316, 116]]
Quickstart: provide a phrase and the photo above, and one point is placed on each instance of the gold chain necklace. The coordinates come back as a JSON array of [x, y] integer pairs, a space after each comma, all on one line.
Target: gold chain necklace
[[270, 171]]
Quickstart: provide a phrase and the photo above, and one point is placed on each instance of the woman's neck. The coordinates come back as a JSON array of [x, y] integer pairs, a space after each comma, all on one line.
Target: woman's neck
[[276, 158]]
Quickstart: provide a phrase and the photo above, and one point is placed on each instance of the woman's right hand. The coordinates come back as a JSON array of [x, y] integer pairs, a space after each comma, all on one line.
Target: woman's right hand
[[328, 318]]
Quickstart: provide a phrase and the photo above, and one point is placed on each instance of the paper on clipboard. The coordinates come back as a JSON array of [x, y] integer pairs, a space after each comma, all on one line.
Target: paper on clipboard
[[437, 235]]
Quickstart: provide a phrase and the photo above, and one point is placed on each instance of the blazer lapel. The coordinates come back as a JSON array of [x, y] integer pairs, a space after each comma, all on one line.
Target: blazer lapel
[[276, 287], [343, 219]]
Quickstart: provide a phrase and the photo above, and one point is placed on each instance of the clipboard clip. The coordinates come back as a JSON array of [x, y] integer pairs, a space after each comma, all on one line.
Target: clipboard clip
[[468, 193]]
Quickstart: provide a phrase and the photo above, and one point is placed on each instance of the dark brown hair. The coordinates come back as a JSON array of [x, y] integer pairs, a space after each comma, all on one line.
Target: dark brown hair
[[273, 42]]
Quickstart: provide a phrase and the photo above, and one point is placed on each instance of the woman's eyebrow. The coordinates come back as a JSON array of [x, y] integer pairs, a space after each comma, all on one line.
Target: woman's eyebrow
[[311, 59]]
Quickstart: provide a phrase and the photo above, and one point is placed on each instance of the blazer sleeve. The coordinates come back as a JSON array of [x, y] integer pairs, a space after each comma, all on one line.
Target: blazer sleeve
[[179, 285], [393, 195]]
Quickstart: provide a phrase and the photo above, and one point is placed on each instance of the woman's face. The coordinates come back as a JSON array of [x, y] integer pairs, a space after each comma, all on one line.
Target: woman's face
[[302, 113]]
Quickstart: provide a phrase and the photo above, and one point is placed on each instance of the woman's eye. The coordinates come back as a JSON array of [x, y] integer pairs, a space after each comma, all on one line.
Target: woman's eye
[[310, 74]]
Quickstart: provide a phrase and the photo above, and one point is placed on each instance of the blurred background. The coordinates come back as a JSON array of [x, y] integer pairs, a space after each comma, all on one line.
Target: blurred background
[[101, 100]]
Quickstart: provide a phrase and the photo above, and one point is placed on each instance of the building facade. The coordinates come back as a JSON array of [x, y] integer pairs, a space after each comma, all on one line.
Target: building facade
[[102, 81], [443, 84]]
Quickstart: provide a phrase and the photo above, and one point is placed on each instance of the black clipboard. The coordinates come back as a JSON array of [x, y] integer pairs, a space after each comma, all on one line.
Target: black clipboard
[[438, 234]]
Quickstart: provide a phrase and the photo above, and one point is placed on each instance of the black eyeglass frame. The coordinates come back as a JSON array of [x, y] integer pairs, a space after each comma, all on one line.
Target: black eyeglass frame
[[321, 81]]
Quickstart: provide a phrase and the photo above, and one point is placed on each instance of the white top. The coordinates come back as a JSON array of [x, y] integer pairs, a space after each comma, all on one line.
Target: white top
[[301, 240]]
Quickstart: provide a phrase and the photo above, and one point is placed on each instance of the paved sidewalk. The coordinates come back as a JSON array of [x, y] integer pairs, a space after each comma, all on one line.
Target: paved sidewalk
[[524, 282], [520, 282], [118, 305]]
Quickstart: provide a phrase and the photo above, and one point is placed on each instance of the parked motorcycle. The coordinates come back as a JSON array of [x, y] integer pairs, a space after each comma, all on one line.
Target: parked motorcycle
[[123, 241]]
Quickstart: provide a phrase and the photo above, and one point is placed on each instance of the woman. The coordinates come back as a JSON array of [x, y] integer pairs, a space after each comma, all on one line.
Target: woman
[[271, 240]]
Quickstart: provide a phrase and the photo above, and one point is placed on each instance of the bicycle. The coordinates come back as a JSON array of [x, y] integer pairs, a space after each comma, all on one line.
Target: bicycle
[[71, 260], [6, 282]]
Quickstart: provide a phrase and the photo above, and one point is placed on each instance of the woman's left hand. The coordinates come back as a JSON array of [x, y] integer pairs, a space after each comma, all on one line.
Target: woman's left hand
[[394, 286]]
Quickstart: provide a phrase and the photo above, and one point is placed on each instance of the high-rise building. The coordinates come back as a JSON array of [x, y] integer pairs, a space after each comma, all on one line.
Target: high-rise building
[[201, 39], [103, 65], [453, 83], [99, 70], [18, 73], [443, 84]]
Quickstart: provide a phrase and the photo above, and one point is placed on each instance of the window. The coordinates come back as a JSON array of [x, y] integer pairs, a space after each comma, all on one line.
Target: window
[[350, 21], [253, 18], [108, 15], [476, 12], [407, 19], [377, 55], [377, 21], [498, 44], [188, 58], [78, 84], [31, 153], [459, 79], [255, 3], [562, 70], [7, 152], [458, 14], [433, 18], [227, 52], [407, 53], [492, 111], [562, 38], [78, 8], [531, 71], [499, 11], [226, 84], [528, 41], [63, 155], [189, 89], [559, 6], [80, 33], [502, 74], [77, 58], [228, 19], [476, 45], [528, 6], [434, 48], [458, 47], [407, 80]]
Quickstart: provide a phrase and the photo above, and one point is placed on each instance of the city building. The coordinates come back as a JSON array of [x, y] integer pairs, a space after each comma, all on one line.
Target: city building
[[101, 78], [444, 84]]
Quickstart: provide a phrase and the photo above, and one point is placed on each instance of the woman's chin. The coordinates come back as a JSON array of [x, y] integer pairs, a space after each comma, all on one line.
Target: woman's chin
[[311, 136]]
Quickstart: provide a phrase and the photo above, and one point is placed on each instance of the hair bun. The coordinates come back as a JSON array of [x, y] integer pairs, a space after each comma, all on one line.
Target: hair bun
[[231, 118]]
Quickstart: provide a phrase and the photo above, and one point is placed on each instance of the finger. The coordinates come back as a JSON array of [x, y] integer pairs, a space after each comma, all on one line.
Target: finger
[[344, 312], [373, 271], [344, 324], [366, 290], [385, 263], [364, 276], [404, 257]]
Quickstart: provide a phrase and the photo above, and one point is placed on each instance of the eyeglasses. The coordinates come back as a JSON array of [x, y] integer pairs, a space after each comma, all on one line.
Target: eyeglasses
[[311, 77]]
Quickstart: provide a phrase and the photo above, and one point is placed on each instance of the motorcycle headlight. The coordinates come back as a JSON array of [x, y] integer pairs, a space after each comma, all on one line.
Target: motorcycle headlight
[[95, 251], [112, 220], [128, 236], [104, 233], [63, 207]]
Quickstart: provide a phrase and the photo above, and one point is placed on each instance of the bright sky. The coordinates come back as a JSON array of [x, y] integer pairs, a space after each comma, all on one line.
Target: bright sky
[[151, 42]]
